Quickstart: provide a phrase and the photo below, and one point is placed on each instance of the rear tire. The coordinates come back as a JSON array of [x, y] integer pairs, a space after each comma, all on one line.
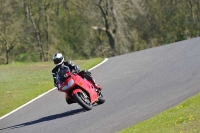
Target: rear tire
[[101, 100], [83, 100]]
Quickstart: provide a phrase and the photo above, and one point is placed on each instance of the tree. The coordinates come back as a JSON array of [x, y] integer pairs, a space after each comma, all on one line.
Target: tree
[[9, 32], [41, 17], [116, 15]]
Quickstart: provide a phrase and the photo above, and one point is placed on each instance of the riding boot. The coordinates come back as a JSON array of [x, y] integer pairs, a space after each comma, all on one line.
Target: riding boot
[[69, 101], [97, 86], [86, 74]]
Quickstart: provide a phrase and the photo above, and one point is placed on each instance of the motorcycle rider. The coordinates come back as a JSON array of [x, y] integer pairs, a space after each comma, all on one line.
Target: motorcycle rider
[[58, 60]]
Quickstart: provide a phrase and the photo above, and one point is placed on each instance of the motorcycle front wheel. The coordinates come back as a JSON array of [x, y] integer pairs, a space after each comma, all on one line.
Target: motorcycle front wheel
[[83, 100]]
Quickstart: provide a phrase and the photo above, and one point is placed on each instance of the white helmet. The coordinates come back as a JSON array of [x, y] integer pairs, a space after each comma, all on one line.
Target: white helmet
[[58, 59]]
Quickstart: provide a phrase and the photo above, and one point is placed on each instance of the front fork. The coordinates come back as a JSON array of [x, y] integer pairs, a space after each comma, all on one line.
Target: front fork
[[84, 95]]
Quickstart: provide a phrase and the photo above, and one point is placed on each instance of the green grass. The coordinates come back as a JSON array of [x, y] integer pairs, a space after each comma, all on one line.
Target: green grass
[[21, 82], [183, 118]]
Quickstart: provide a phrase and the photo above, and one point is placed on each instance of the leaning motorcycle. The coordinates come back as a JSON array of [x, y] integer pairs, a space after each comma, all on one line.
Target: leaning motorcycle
[[78, 90]]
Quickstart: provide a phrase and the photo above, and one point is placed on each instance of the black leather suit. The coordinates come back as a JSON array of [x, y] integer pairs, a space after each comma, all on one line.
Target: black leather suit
[[73, 68]]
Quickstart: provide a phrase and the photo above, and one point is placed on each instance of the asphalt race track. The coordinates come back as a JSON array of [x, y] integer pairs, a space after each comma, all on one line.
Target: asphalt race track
[[136, 86]]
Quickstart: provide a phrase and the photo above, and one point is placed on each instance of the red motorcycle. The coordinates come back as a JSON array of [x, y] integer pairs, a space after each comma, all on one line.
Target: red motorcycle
[[78, 90]]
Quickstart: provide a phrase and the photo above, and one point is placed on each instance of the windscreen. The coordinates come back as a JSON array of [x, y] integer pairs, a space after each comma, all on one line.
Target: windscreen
[[63, 73]]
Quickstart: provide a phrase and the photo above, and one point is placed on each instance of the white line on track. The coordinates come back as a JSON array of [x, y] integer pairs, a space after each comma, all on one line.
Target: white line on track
[[44, 94]]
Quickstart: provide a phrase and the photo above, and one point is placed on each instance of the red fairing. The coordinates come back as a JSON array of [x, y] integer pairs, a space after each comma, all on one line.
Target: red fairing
[[85, 85], [74, 84], [67, 84]]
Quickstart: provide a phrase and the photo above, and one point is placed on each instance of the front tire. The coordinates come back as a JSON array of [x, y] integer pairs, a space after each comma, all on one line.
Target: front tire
[[83, 100]]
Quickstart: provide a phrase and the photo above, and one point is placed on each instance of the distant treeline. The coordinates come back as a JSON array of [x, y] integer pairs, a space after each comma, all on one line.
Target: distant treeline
[[33, 30]]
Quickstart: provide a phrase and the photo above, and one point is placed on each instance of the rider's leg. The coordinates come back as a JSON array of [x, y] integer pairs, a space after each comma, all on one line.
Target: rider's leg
[[86, 74]]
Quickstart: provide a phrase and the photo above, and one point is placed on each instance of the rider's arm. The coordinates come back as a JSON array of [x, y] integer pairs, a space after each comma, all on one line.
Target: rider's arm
[[72, 66], [54, 74]]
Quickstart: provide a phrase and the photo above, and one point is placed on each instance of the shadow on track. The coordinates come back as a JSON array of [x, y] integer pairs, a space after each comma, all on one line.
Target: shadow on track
[[47, 118]]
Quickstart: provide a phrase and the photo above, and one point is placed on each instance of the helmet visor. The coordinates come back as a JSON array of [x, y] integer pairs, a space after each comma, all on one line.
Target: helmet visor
[[58, 61]]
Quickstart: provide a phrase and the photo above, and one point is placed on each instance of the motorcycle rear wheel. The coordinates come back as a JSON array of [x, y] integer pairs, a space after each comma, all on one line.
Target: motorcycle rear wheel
[[101, 99], [83, 100]]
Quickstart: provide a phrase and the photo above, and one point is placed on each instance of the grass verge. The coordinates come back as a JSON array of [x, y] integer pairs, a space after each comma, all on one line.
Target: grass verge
[[21, 82], [183, 118]]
